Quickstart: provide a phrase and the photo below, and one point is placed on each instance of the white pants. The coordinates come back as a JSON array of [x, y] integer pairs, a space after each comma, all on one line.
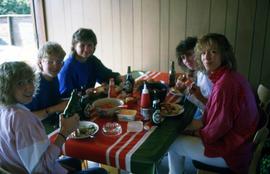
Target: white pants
[[193, 148]]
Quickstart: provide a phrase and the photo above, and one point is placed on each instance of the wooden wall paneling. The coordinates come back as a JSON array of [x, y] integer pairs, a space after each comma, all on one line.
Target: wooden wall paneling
[[198, 17], [116, 35], [137, 35], [164, 34], [177, 28], [126, 17], [231, 21], [68, 26], [50, 20], [92, 19], [218, 16], [259, 34], [266, 56], [244, 35], [150, 33], [77, 14], [106, 34]]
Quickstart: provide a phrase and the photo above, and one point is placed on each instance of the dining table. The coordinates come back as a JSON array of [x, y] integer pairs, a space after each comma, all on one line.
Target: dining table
[[136, 152]]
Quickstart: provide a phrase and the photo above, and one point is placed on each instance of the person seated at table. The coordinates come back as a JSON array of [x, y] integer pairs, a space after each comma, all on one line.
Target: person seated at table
[[224, 136], [24, 145], [199, 92], [47, 100], [82, 68]]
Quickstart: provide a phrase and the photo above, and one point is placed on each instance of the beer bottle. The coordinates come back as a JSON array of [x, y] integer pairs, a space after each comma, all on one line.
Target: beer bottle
[[73, 105], [156, 117], [129, 82], [112, 92], [172, 75]]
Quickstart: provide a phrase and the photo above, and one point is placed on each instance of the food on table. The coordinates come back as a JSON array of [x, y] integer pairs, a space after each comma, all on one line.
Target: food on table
[[85, 131], [107, 105], [170, 109], [126, 114]]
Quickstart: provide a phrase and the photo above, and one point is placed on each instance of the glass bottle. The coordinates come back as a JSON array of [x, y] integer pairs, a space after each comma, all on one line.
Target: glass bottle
[[156, 117], [172, 75], [112, 91], [73, 105], [129, 82]]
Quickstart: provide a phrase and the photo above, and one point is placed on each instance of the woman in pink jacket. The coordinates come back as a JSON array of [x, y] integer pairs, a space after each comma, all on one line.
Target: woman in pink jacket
[[224, 136]]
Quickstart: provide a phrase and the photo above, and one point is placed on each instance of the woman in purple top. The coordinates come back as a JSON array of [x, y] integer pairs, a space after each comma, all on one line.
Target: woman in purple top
[[224, 136], [82, 68], [24, 145]]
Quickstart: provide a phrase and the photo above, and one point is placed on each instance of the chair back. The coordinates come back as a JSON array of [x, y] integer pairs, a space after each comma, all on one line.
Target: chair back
[[264, 96], [258, 142]]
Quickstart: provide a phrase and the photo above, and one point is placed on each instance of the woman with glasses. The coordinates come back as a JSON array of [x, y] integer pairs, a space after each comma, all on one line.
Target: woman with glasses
[[47, 100]]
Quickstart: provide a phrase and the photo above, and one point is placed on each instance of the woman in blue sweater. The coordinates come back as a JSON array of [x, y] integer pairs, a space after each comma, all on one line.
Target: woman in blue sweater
[[82, 68]]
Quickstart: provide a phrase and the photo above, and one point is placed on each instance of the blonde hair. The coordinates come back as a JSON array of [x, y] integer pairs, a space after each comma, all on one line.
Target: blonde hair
[[10, 74], [222, 44], [51, 49]]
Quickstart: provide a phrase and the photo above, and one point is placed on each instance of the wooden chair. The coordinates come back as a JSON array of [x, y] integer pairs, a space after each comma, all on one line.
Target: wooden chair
[[264, 97], [258, 141]]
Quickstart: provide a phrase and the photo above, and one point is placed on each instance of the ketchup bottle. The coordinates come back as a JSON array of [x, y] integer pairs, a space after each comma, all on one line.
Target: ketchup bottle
[[145, 97], [112, 92]]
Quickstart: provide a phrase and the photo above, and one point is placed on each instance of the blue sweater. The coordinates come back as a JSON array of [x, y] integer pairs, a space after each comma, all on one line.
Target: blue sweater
[[75, 74], [47, 95]]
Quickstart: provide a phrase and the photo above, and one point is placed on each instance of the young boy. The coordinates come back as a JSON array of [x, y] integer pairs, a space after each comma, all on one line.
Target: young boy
[[47, 100]]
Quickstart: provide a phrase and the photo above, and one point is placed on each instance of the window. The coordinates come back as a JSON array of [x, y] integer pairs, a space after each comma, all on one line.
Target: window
[[17, 35]]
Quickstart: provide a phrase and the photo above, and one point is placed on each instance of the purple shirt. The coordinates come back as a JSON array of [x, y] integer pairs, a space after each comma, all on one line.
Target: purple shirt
[[24, 145], [230, 120]]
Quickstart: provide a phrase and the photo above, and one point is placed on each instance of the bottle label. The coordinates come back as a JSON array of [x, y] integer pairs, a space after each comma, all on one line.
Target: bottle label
[[128, 86], [156, 117]]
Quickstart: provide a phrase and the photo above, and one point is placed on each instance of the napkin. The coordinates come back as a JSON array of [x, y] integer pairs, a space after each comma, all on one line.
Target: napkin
[[135, 126]]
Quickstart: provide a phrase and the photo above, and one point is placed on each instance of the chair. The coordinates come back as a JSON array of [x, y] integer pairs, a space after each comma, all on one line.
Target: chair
[[264, 97], [258, 141]]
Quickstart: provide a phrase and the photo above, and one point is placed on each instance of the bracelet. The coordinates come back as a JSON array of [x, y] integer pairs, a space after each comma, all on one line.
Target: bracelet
[[62, 135]]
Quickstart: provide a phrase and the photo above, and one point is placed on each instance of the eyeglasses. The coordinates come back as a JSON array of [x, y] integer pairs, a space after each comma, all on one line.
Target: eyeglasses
[[53, 62]]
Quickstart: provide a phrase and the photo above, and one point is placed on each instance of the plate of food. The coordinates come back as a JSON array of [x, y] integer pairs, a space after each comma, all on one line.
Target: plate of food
[[87, 129], [171, 109], [175, 91]]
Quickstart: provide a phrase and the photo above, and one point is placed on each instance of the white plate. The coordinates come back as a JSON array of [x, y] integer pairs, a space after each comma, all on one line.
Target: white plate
[[171, 109], [90, 129]]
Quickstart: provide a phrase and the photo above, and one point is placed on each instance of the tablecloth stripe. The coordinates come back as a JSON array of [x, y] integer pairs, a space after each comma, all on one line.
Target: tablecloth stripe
[[112, 146], [137, 145], [117, 160]]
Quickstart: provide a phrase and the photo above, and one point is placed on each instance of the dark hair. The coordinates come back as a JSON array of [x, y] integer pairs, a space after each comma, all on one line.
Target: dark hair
[[223, 46], [83, 35], [183, 47]]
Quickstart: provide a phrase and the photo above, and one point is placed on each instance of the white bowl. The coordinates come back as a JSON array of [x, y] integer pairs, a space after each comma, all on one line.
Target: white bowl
[[107, 106]]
